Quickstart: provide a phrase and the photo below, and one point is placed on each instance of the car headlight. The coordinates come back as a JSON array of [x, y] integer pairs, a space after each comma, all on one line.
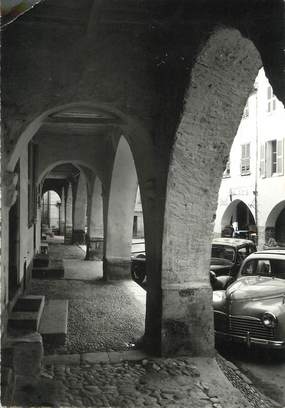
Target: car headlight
[[218, 296], [269, 320]]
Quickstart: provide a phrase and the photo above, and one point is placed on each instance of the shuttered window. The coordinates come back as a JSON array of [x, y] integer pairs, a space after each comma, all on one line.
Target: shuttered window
[[279, 157], [271, 100], [245, 159], [272, 158]]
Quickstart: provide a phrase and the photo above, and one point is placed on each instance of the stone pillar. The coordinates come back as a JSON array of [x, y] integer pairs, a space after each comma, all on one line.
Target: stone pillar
[[80, 205], [121, 204], [68, 216], [95, 225], [62, 213]]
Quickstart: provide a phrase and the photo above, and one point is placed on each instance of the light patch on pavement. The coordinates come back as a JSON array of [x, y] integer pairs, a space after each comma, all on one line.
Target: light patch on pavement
[[138, 292]]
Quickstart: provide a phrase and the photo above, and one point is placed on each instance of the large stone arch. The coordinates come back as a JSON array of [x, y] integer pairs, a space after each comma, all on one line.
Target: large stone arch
[[76, 163], [221, 80]]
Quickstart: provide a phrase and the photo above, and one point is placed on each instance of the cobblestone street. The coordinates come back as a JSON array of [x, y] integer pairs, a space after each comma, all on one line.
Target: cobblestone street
[[106, 380]]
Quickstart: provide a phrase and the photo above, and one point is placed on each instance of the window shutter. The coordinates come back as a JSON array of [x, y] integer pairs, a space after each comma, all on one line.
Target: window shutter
[[262, 160], [279, 168]]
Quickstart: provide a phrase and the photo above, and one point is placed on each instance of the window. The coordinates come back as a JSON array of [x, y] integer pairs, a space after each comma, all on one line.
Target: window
[[245, 159], [271, 158], [245, 111], [227, 171], [271, 100]]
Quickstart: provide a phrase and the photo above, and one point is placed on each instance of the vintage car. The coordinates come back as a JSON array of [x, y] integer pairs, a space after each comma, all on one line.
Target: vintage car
[[226, 258], [138, 267], [252, 309]]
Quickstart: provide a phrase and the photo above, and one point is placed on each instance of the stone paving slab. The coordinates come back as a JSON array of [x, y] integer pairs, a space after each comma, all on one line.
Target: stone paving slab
[[62, 359]]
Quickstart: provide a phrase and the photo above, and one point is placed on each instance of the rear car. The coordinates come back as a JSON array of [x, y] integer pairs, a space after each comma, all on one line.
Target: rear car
[[227, 256]]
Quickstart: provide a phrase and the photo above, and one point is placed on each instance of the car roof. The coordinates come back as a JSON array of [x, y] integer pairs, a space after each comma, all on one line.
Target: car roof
[[268, 254], [235, 242]]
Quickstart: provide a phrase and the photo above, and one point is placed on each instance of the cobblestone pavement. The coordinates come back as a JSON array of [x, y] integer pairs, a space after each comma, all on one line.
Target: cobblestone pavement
[[171, 383], [102, 316]]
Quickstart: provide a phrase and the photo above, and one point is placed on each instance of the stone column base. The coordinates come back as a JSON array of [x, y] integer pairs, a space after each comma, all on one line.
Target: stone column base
[[95, 249], [68, 235], [78, 237], [61, 227], [116, 268], [187, 320]]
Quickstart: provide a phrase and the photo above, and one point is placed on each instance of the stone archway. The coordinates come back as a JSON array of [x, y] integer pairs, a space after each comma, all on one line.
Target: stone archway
[[275, 225], [239, 215], [50, 213], [220, 83]]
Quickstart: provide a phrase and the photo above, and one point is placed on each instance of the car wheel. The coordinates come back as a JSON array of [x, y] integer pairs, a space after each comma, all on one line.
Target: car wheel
[[138, 273]]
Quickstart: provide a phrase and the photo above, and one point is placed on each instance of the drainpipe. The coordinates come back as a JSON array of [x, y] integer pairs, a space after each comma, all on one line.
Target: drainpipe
[[256, 166]]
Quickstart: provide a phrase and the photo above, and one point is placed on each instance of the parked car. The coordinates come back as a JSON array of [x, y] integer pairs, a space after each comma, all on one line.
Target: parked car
[[138, 267], [252, 309], [226, 258]]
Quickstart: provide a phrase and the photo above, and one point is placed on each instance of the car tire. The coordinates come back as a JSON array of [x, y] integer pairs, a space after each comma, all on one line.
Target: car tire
[[138, 273]]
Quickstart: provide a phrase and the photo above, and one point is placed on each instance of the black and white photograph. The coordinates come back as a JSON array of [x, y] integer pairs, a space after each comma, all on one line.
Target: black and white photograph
[[142, 203]]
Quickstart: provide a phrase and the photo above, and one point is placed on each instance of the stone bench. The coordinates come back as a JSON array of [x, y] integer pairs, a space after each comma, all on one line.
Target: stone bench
[[53, 324], [26, 313], [41, 260], [54, 270]]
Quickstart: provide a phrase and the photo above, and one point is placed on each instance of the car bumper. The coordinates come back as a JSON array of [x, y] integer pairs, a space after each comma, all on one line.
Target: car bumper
[[248, 340]]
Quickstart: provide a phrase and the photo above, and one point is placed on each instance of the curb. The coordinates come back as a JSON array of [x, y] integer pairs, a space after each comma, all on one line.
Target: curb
[[93, 358], [248, 381]]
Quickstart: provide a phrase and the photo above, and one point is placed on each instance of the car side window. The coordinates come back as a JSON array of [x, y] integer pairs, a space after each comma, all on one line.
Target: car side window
[[263, 267], [249, 268]]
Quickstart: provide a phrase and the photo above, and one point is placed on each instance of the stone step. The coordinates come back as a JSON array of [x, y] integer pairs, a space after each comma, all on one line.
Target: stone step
[[53, 324], [26, 313], [41, 260], [54, 270]]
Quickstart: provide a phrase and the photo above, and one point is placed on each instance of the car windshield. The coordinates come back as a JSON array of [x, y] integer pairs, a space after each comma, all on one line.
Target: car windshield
[[223, 252], [265, 267]]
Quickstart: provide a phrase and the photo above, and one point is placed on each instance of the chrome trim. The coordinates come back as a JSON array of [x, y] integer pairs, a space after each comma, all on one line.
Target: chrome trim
[[252, 340]]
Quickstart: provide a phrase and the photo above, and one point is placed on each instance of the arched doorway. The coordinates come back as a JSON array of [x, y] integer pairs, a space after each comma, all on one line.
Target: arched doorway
[[280, 228], [275, 226], [51, 203], [239, 216]]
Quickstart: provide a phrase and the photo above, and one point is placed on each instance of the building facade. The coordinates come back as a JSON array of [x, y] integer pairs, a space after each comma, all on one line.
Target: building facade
[[252, 191]]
